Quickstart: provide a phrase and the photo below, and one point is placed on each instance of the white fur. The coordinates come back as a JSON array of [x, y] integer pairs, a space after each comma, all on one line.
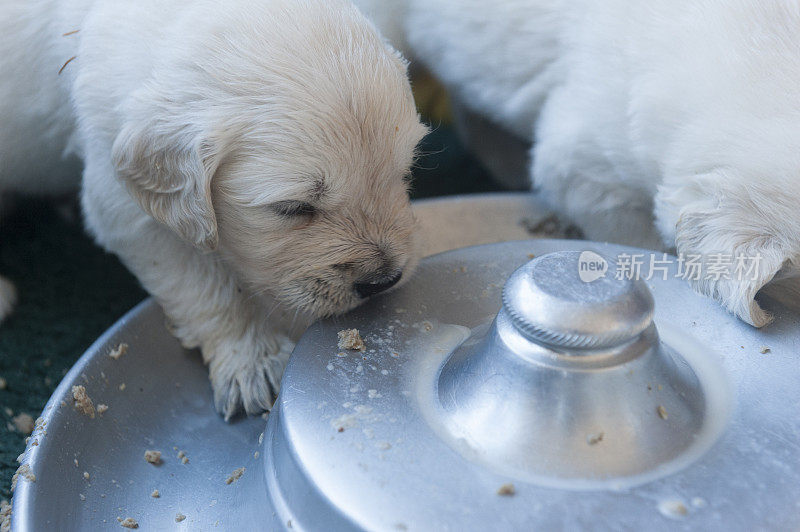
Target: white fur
[[665, 122], [198, 122]]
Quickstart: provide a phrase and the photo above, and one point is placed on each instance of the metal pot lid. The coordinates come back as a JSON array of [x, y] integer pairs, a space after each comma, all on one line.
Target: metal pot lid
[[474, 409]]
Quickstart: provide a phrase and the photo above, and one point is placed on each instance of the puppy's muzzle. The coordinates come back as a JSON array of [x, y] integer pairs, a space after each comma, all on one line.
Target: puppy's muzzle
[[375, 286]]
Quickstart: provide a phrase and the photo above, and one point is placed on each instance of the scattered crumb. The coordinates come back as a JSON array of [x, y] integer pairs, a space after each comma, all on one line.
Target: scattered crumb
[[118, 351], [261, 438], [764, 350], [179, 517], [101, 409], [506, 489], [86, 475], [350, 339], [75, 461], [673, 509], [155, 494], [3, 383], [82, 496], [5, 516], [255, 455], [594, 439], [235, 475], [83, 403], [23, 423], [340, 429], [122, 387], [662, 412], [152, 457], [341, 354], [531, 256], [128, 522], [25, 472]]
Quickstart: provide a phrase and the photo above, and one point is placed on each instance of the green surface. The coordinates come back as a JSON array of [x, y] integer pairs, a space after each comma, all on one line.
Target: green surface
[[71, 290]]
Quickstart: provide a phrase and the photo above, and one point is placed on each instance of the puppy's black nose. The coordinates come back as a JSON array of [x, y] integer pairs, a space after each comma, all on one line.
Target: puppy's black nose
[[370, 288]]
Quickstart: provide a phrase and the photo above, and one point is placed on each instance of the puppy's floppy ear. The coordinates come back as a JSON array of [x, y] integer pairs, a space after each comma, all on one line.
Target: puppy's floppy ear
[[167, 166]]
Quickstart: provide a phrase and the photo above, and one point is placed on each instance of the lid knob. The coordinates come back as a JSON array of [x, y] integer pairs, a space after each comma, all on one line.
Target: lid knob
[[574, 300]]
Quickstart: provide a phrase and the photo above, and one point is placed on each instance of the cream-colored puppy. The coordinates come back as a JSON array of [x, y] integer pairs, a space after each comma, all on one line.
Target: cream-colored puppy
[[235, 153], [671, 123]]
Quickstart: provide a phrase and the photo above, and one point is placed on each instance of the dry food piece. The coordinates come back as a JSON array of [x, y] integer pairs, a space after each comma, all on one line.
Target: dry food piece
[[152, 457], [5, 516], [86, 475], [506, 489], [118, 351], [128, 522], [183, 458], [594, 439], [83, 403], [662, 412], [764, 350], [24, 423], [101, 409], [122, 387], [235, 475], [179, 517], [155, 494], [25, 472], [3, 383], [350, 339]]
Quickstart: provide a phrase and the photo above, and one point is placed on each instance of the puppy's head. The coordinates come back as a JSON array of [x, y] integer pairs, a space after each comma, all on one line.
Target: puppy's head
[[281, 134]]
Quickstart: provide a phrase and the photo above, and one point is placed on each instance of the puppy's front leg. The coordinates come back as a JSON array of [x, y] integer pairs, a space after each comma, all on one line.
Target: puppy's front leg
[[201, 298]]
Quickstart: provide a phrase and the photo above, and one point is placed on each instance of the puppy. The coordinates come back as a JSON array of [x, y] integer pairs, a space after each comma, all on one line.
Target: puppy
[[663, 123], [235, 154]]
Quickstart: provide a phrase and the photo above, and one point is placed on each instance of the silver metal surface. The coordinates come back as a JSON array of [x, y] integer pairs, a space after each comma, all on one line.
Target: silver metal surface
[[365, 441], [568, 370], [547, 301]]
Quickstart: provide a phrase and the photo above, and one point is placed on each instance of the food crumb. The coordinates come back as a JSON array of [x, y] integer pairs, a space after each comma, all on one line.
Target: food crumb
[[25, 472], [506, 489], [531, 256], [673, 509], [341, 354], [5, 516], [594, 439], [255, 455], [3, 383], [23, 423], [662, 412], [118, 351], [75, 461], [128, 522], [179, 517], [122, 387], [86, 475], [155, 494], [101, 409], [235, 475], [764, 350], [351, 339], [83, 403], [152, 457], [82, 496]]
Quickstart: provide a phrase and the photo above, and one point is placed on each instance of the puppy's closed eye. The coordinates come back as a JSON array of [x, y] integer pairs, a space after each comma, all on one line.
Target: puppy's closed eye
[[293, 209]]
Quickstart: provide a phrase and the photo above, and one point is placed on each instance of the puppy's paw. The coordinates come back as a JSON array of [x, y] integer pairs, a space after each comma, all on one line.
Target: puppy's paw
[[246, 373], [8, 298]]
